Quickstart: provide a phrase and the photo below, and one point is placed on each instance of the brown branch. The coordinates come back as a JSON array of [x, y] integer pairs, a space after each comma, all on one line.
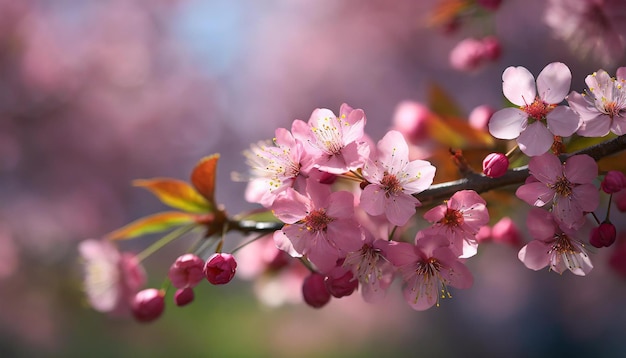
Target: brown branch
[[477, 182], [480, 183]]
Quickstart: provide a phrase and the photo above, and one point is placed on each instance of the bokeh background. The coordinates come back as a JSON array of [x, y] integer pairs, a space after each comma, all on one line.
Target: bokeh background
[[94, 94]]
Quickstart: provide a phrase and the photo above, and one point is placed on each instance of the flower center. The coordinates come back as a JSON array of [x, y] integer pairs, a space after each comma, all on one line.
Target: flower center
[[428, 268], [317, 220], [562, 186], [391, 184], [452, 217], [563, 245], [538, 110]]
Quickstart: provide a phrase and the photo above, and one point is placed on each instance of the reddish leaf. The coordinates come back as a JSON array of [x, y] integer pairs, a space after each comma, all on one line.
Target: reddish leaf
[[203, 176], [441, 103], [177, 194], [152, 224]]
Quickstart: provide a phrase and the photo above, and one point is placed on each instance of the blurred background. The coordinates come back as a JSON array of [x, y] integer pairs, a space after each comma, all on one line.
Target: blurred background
[[94, 94]]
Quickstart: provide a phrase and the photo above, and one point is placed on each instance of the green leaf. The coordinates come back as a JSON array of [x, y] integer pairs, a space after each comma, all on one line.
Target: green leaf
[[152, 224], [177, 194]]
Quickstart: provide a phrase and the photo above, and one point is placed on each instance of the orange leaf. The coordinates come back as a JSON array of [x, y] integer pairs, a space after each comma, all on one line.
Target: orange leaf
[[177, 194], [441, 103], [152, 224], [203, 176]]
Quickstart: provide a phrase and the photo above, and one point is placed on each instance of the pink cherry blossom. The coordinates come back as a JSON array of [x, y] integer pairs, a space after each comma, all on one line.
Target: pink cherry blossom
[[538, 118], [336, 144], [370, 267], [553, 246], [394, 179], [427, 269], [603, 107], [276, 167], [111, 278], [320, 225], [459, 220], [567, 186], [591, 28]]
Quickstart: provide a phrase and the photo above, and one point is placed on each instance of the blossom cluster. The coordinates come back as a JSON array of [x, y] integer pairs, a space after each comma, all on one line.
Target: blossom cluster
[[345, 213]]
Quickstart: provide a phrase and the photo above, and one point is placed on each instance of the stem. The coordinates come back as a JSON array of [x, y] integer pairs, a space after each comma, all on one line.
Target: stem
[[164, 241]]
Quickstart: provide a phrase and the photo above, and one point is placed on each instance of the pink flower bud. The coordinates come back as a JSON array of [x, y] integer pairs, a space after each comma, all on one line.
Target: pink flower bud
[[505, 231], [603, 235], [183, 296], [495, 165], [220, 268], [483, 234], [479, 117], [148, 304], [491, 48], [411, 119], [340, 282], [467, 55], [314, 291], [613, 182], [186, 271]]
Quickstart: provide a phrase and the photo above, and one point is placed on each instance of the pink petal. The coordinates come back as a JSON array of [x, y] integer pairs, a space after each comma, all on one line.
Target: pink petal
[[518, 86], [587, 197], [400, 253], [291, 206], [373, 171], [536, 194], [421, 295], [435, 214], [621, 73], [567, 211], [283, 243], [507, 123], [553, 83], [563, 121], [619, 125], [535, 140], [373, 200], [355, 127], [596, 126], [535, 255], [546, 168], [541, 225], [580, 169], [581, 106], [399, 208], [393, 152], [341, 205], [421, 174]]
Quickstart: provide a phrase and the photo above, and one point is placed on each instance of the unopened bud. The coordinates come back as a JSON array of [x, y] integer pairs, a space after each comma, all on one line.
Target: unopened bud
[[505, 231], [491, 48], [495, 165], [148, 304], [314, 291], [603, 235], [340, 282], [613, 182], [183, 296], [186, 271], [220, 268]]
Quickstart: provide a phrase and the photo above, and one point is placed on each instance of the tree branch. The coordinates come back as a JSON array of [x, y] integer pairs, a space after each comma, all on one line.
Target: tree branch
[[477, 182]]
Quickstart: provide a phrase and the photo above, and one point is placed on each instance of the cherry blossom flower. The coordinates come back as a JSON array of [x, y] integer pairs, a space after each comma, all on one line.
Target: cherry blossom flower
[[553, 246], [370, 267], [336, 144], [538, 118], [603, 107], [112, 278], [427, 269], [471, 54], [459, 220], [394, 179], [320, 225], [567, 186], [594, 28], [276, 167]]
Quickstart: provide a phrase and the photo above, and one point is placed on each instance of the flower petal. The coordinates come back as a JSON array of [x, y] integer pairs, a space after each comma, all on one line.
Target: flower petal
[[580, 169], [507, 123], [546, 168], [373, 200], [535, 255], [399, 208], [537, 193], [563, 121], [518, 86], [535, 140], [553, 82]]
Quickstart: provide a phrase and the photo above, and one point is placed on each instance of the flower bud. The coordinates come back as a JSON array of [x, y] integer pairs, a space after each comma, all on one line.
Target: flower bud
[[314, 291], [467, 55], [183, 296], [186, 271], [492, 5], [603, 235], [479, 117], [495, 165], [613, 182], [491, 48], [411, 119], [505, 231], [148, 304], [220, 268], [340, 282]]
